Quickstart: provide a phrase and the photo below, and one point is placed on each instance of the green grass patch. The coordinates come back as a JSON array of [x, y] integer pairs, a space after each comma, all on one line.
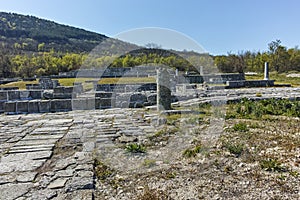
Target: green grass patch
[[241, 127], [279, 78], [271, 165], [235, 148], [188, 153]]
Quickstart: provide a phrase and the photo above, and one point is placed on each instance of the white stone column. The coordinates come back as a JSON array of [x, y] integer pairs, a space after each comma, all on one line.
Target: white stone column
[[266, 74]]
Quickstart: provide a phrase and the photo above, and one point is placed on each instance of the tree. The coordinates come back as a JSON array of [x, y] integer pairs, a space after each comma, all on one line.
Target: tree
[[279, 57]]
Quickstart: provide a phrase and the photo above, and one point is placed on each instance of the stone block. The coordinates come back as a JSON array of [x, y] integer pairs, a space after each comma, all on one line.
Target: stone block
[[3, 95], [103, 94], [68, 89], [22, 107], [90, 104], [10, 107], [78, 104], [102, 103], [13, 95], [64, 95], [24, 94], [33, 106], [59, 90], [44, 106], [36, 94], [2, 106], [60, 105]]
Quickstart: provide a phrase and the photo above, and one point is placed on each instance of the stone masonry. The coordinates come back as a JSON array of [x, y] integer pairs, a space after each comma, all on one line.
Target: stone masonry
[[50, 156]]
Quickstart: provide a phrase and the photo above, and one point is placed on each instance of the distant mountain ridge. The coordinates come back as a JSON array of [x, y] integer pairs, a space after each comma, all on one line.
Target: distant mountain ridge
[[28, 33]]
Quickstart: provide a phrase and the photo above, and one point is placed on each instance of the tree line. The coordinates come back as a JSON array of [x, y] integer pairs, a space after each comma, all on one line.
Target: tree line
[[38, 64], [280, 58]]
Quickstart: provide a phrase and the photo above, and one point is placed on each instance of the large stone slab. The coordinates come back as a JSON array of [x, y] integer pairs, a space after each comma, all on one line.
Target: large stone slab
[[22, 107], [33, 106], [13, 191], [61, 105], [19, 157], [3, 96], [10, 107], [44, 106], [58, 183], [13, 95]]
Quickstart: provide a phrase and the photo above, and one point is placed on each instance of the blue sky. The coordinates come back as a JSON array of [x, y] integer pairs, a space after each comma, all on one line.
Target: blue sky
[[219, 26]]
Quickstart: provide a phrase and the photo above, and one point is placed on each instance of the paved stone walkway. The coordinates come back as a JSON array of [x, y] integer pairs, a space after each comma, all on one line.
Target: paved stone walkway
[[50, 156]]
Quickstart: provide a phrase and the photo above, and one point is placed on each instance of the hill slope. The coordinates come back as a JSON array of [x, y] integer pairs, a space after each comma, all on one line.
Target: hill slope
[[29, 33]]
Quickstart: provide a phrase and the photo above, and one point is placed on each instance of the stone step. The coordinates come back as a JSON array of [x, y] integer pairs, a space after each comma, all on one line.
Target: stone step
[[14, 151], [19, 147]]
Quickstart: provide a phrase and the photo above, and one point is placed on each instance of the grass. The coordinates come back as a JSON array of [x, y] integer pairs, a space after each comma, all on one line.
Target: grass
[[188, 153], [70, 81], [20, 84], [279, 78], [242, 127]]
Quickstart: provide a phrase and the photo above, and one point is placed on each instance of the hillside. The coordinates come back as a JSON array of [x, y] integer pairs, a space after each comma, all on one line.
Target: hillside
[[28, 33]]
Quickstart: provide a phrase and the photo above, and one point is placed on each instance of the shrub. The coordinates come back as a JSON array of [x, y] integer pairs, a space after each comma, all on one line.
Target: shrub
[[135, 148], [236, 149]]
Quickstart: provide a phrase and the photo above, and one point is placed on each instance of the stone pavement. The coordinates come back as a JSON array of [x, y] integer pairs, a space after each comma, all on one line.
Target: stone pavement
[[51, 156]]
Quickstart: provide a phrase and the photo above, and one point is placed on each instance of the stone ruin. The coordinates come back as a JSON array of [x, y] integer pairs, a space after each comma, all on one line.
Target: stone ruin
[[171, 87]]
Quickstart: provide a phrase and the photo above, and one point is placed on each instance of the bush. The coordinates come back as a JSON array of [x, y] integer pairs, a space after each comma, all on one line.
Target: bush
[[236, 149], [135, 148]]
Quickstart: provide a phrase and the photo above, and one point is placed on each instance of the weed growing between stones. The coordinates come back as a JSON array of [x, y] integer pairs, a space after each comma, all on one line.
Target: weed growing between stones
[[152, 194], [242, 127], [102, 171], [272, 165], [234, 148]]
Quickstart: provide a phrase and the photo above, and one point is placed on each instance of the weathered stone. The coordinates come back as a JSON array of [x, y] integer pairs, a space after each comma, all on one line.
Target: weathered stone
[[163, 90], [65, 173], [3, 96], [9, 178], [58, 183], [42, 194], [10, 107], [13, 95], [26, 177], [36, 94], [61, 105], [127, 139], [80, 183], [13, 191], [88, 146], [22, 107], [44, 106], [2, 106], [33, 106], [28, 165], [18, 157], [24, 94]]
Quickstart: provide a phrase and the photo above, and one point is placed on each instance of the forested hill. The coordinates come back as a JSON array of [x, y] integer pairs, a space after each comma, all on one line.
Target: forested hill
[[28, 33]]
